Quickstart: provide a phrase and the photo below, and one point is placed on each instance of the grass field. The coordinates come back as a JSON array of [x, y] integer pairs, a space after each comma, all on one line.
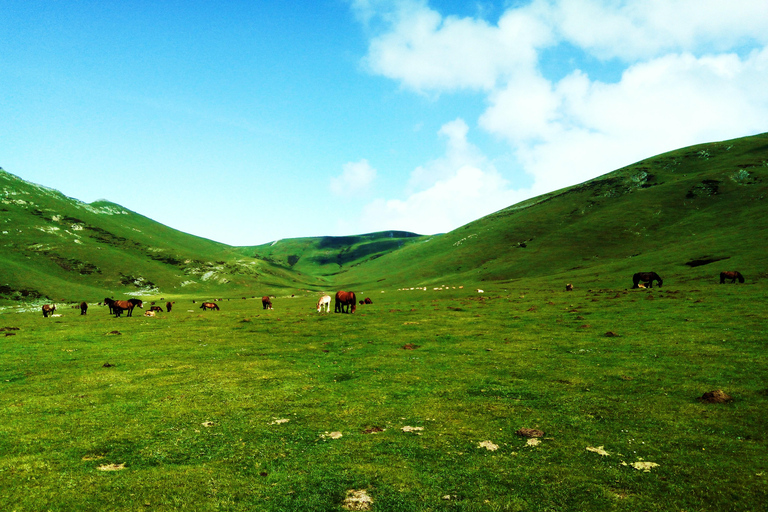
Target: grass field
[[241, 409]]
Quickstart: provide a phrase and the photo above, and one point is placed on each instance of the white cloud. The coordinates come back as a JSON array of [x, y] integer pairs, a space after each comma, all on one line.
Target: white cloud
[[454, 190], [425, 51], [356, 178], [688, 77]]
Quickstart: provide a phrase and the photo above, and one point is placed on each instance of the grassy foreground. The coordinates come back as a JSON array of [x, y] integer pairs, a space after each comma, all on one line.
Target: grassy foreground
[[241, 409]]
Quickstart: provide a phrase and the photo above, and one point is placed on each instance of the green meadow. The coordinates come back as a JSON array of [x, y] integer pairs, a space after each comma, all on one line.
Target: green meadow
[[415, 400], [522, 397]]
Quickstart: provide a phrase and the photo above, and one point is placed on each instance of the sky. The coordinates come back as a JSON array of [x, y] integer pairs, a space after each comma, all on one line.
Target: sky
[[252, 121]]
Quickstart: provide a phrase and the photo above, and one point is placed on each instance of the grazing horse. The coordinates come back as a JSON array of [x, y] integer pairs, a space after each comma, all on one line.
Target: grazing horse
[[168, 307], [209, 305], [48, 309], [266, 303], [732, 275], [118, 306], [324, 302], [646, 277], [156, 308], [345, 299], [368, 300], [83, 308]]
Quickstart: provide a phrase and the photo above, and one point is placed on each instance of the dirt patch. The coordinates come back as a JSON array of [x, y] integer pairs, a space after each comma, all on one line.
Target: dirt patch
[[111, 467], [373, 430], [488, 445], [530, 432], [113, 333], [410, 346], [598, 450], [611, 334], [717, 396], [2, 329], [357, 500], [107, 365]]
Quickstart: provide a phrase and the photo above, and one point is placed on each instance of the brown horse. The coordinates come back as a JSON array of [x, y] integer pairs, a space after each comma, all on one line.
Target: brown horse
[[646, 277], [266, 303], [345, 299], [83, 308], [168, 307], [209, 305], [48, 309], [156, 308], [732, 275], [119, 306]]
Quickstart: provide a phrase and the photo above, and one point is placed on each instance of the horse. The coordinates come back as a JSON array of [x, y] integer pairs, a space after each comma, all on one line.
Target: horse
[[83, 308], [156, 308], [168, 307], [367, 301], [48, 309], [118, 306], [732, 275], [266, 303], [209, 305], [324, 302], [345, 299], [646, 277], [569, 287], [109, 303]]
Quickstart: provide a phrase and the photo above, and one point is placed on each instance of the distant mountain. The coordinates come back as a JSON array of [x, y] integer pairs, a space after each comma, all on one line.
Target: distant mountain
[[686, 214]]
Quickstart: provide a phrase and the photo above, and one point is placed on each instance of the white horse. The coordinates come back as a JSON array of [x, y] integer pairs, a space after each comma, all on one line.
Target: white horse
[[325, 300]]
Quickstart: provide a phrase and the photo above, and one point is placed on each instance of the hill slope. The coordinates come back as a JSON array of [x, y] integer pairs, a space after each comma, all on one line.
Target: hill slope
[[671, 213]]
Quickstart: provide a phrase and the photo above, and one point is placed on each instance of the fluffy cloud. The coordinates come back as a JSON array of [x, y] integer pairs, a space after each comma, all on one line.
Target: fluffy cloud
[[448, 192], [356, 178], [692, 71]]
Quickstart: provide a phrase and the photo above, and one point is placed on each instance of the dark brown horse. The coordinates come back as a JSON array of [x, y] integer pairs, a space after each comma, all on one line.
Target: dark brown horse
[[83, 308], [118, 306], [266, 303], [345, 299], [156, 308], [732, 275], [646, 277], [168, 307], [209, 305], [48, 309]]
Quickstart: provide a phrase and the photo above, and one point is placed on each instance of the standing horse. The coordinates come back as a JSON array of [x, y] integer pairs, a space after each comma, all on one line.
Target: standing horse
[[109, 303], [646, 277], [209, 305], [345, 299], [732, 275], [48, 309], [83, 308], [324, 302], [266, 303], [118, 306], [168, 307]]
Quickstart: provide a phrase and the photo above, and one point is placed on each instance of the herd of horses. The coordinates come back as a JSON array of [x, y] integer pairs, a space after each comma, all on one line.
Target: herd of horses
[[346, 302]]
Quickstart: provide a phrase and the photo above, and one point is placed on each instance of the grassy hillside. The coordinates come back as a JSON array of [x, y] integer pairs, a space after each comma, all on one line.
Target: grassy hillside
[[687, 215], [57, 247]]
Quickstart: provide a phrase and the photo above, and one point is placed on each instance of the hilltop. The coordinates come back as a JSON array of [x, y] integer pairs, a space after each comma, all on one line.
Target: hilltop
[[677, 213]]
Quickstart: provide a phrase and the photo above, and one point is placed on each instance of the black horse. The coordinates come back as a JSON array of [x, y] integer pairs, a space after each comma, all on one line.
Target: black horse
[[646, 277], [732, 275]]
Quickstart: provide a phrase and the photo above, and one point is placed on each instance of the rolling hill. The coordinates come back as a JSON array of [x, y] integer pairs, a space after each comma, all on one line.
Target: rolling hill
[[677, 213]]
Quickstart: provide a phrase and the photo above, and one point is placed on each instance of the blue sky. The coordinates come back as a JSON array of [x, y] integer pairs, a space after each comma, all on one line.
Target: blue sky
[[247, 122]]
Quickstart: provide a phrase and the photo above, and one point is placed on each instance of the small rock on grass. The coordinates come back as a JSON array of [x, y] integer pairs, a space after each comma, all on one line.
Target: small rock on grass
[[530, 432], [717, 396]]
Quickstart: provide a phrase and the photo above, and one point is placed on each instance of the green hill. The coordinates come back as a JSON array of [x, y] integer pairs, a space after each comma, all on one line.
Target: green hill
[[677, 214]]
